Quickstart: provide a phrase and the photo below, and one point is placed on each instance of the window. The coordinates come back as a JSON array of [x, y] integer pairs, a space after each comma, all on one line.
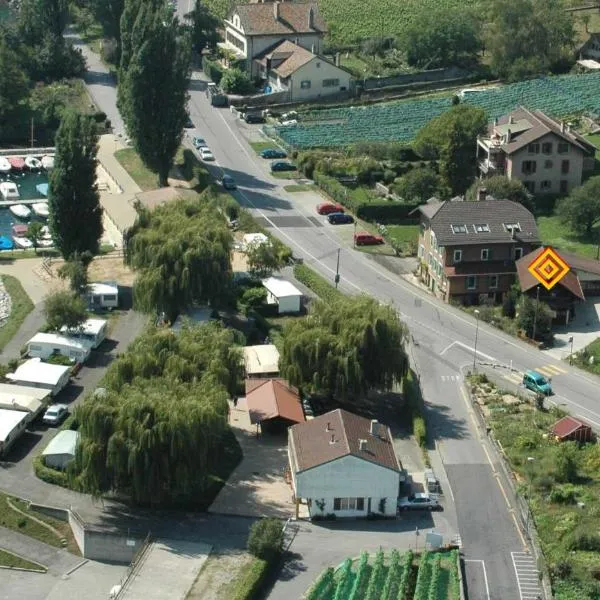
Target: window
[[331, 82], [547, 164], [546, 185], [472, 282], [564, 186], [348, 504], [563, 148], [486, 254], [518, 253], [481, 228], [457, 256], [318, 65], [305, 85], [547, 148], [34, 347], [493, 281], [516, 227], [533, 148], [109, 297], [530, 185], [459, 228], [528, 166], [564, 167]]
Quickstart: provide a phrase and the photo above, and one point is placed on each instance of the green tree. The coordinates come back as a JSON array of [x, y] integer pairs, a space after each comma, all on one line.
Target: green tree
[[76, 271], [265, 539], [263, 259], [49, 102], [34, 234], [39, 17], [538, 315], [501, 187], [181, 253], [109, 13], [581, 210], [442, 36], [565, 462], [418, 184], [527, 37], [74, 203], [204, 28], [345, 349], [159, 61], [235, 81], [64, 309], [14, 85]]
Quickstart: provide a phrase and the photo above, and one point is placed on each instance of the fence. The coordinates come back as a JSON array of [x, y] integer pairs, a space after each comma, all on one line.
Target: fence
[[375, 83], [27, 151], [135, 565]]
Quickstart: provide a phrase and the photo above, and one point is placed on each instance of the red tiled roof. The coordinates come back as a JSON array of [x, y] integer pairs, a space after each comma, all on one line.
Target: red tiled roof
[[567, 426], [337, 434], [271, 398], [293, 17]]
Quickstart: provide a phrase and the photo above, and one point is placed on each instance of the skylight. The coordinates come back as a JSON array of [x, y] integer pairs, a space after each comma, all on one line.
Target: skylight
[[481, 228], [512, 227], [459, 228]]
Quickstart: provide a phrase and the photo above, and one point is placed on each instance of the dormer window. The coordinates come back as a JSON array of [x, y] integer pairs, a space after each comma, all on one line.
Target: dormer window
[[512, 227], [459, 228], [481, 228]]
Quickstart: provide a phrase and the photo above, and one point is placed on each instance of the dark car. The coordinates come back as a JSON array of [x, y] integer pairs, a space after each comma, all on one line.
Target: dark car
[[340, 218], [254, 118], [199, 143], [273, 153], [282, 165], [188, 123], [228, 182]]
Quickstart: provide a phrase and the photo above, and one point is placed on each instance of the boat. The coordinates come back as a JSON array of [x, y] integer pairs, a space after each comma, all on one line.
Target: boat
[[33, 163], [6, 243], [46, 235], [17, 163], [48, 162], [20, 210], [45, 243], [9, 190], [4, 165], [20, 230], [22, 242], [40, 209], [42, 188]]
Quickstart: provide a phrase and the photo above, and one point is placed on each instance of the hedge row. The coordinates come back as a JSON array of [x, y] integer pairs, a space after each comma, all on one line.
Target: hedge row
[[319, 285], [247, 586], [49, 475], [212, 69]]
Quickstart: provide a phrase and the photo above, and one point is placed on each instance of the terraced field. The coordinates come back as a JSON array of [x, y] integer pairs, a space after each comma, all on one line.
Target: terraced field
[[400, 121]]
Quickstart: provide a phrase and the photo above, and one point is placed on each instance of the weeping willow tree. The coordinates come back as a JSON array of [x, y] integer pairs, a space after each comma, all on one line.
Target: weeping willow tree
[[157, 433], [181, 252], [345, 349]]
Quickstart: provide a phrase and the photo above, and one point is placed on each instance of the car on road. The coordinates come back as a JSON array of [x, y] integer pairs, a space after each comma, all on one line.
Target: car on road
[[273, 153], [419, 501], [367, 239], [199, 142], [189, 124], [537, 383], [228, 182], [206, 154], [55, 414], [282, 165], [339, 218], [326, 208], [254, 118]]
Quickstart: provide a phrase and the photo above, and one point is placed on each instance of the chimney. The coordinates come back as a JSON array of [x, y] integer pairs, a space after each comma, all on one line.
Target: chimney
[[276, 10], [311, 18], [328, 428], [481, 194], [374, 429], [337, 59], [362, 445], [332, 440], [508, 135], [562, 126], [312, 49], [510, 120], [568, 128]]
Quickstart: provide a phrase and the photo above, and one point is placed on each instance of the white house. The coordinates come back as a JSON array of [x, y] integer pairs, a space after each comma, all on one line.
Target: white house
[[44, 345], [37, 374], [92, 330], [345, 465], [61, 449], [12, 425], [104, 294], [31, 400], [261, 361], [281, 292], [252, 28]]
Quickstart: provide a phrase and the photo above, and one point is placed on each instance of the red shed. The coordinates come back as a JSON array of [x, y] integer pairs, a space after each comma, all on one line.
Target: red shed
[[570, 428]]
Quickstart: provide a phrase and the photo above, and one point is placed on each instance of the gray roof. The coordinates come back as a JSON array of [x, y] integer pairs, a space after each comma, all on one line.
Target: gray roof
[[64, 442], [496, 214]]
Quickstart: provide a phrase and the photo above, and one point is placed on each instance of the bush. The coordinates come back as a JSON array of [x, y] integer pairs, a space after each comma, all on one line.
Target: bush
[[266, 539], [419, 430], [319, 285], [49, 475], [235, 81], [212, 69], [254, 297], [564, 494], [99, 117], [250, 580], [588, 542], [565, 462]]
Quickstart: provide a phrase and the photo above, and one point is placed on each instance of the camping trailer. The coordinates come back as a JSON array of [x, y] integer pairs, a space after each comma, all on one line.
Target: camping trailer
[[103, 294], [92, 330], [45, 345]]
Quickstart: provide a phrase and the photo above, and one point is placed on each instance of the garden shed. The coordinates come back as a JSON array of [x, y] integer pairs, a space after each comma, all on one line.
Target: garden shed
[[103, 294], [261, 361], [572, 429], [61, 449], [284, 294], [273, 404]]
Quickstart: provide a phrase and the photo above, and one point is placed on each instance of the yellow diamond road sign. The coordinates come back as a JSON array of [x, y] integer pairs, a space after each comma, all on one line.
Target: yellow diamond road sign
[[549, 268]]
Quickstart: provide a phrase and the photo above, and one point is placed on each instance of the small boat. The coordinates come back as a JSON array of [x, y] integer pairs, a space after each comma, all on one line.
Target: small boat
[[4, 165], [33, 163], [20, 210], [9, 190], [45, 243], [40, 209], [17, 163], [48, 162], [20, 230], [6, 243], [42, 188], [22, 242]]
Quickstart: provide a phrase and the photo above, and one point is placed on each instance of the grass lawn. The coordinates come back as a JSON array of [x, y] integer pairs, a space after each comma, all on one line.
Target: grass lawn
[[299, 187], [354, 64], [21, 307], [582, 358], [8, 559], [559, 235], [287, 175], [258, 147], [131, 162]]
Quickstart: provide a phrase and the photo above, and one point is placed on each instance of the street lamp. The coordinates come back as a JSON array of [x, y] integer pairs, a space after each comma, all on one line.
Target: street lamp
[[476, 333], [530, 460], [571, 354]]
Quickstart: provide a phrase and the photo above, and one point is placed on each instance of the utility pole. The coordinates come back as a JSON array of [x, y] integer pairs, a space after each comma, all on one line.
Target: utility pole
[[476, 333], [337, 269], [535, 314], [32, 132]]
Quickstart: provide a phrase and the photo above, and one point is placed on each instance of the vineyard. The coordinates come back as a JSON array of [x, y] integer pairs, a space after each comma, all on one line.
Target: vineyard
[[400, 121], [429, 576]]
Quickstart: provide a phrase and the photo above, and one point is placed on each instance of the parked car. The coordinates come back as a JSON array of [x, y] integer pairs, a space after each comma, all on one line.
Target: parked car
[[289, 123], [289, 115], [206, 154], [253, 118], [55, 414], [537, 383], [420, 501], [228, 182], [339, 218], [367, 239], [199, 143], [273, 153], [326, 208], [282, 165], [189, 123]]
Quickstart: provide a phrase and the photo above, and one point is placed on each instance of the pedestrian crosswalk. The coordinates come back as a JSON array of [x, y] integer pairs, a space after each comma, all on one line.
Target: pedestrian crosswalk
[[448, 378], [528, 578], [549, 370]]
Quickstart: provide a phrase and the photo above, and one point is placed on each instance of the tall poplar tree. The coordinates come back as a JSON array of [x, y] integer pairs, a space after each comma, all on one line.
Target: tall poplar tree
[[75, 214]]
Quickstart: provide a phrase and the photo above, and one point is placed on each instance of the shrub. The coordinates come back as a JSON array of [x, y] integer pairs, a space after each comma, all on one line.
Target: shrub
[[419, 430], [251, 580], [265, 539], [319, 285], [235, 81], [49, 475], [254, 297], [564, 494], [212, 69], [565, 462], [99, 117], [562, 569], [588, 542]]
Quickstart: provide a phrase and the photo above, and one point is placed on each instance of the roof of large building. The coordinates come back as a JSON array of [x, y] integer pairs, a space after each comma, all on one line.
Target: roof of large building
[[261, 359], [270, 398], [281, 288], [527, 281], [337, 434], [20, 397], [292, 17], [9, 419], [567, 426], [482, 222], [64, 442], [289, 57]]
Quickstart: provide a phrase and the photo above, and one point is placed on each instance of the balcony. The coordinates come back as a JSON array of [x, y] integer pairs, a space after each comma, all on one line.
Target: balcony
[[491, 167]]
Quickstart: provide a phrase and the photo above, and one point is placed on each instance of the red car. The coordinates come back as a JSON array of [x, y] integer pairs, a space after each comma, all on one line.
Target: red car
[[327, 208], [367, 239]]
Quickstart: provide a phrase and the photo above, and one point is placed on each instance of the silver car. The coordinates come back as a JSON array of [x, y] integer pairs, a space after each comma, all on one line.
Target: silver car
[[420, 501], [55, 414]]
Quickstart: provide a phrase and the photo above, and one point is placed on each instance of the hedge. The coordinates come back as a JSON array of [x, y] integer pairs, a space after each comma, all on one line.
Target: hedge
[[319, 285], [49, 475], [250, 580], [212, 69]]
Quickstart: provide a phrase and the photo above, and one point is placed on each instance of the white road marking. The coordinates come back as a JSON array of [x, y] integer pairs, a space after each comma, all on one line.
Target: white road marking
[[527, 575], [485, 579], [468, 349]]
